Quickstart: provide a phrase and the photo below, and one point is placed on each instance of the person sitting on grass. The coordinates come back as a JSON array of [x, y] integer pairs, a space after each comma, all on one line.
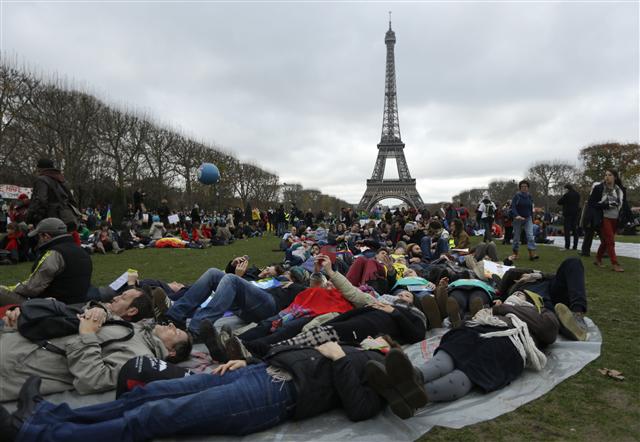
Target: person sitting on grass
[[292, 383], [106, 239], [62, 269], [487, 353]]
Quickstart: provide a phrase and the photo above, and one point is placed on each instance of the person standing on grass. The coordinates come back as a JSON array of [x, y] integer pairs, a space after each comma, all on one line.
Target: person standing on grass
[[487, 208], [610, 203], [570, 203], [522, 210]]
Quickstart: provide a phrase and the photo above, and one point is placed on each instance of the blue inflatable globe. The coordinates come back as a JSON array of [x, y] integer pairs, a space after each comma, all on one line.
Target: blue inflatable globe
[[208, 173]]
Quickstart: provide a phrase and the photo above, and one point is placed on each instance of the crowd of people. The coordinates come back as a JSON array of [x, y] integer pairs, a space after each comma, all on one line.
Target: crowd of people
[[321, 329]]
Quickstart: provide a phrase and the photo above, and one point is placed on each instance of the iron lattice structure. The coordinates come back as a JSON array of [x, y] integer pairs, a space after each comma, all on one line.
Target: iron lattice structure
[[390, 146]]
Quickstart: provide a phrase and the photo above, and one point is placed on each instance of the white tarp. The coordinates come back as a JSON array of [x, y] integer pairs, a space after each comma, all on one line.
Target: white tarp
[[565, 358]]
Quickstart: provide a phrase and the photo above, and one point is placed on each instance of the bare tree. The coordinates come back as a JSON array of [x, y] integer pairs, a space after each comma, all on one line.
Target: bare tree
[[547, 178]]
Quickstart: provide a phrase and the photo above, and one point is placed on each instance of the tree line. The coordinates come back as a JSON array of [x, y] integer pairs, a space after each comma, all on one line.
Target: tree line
[[106, 153], [548, 178]]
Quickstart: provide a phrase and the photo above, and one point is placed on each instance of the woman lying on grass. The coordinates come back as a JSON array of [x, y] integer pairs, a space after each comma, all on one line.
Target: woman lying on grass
[[487, 352]]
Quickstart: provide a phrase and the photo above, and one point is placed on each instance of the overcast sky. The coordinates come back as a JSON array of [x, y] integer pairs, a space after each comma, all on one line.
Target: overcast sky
[[484, 89]]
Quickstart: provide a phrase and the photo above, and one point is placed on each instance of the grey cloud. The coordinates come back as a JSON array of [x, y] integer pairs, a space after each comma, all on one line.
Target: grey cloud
[[484, 89]]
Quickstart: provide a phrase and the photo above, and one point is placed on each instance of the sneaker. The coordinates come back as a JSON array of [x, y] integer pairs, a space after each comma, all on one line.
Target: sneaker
[[405, 378], [211, 339], [161, 304], [617, 268], [473, 265], [431, 311], [453, 311], [377, 378], [572, 324]]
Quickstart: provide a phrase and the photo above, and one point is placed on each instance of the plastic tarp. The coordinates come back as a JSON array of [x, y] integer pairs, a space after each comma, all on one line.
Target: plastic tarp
[[565, 358]]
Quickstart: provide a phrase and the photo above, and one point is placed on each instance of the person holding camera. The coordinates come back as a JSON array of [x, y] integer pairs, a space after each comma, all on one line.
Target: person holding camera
[[608, 199]]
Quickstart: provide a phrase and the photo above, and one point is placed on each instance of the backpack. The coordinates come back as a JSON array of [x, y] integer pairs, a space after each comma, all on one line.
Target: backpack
[[490, 209], [45, 318], [64, 208]]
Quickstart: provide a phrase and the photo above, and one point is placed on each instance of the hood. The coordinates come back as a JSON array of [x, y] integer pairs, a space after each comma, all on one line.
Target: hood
[[52, 173]]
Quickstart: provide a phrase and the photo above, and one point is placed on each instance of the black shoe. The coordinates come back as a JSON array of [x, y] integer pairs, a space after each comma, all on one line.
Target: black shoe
[[377, 378], [233, 347], [9, 426], [406, 380], [28, 398], [161, 304], [211, 338]]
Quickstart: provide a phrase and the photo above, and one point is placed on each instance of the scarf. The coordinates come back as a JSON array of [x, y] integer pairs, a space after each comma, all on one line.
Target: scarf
[[518, 335]]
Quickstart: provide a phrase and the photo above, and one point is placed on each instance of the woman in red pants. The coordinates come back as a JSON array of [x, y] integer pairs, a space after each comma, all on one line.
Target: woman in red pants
[[609, 200]]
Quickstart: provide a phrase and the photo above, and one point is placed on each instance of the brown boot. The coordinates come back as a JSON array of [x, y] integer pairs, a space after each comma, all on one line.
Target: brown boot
[[533, 256]]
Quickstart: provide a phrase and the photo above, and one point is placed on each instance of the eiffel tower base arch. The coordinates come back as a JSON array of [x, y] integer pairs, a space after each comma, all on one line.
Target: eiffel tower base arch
[[378, 190]]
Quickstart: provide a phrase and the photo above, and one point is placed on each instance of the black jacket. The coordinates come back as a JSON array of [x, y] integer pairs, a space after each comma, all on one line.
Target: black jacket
[[323, 384], [594, 209], [401, 324], [570, 203]]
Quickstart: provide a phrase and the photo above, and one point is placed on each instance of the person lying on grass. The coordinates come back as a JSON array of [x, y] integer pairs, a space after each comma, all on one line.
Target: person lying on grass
[[91, 358], [392, 315], [239, 398], [487, 353]]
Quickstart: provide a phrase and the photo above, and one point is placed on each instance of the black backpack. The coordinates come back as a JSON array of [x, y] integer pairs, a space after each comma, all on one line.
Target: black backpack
[[490, 209], [42, 319]]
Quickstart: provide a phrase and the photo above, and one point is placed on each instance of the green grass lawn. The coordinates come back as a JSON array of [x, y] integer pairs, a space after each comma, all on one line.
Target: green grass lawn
[[587, 406], [628, 238]]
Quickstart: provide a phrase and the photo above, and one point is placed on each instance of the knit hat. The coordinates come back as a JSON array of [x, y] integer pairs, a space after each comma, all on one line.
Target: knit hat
[[45, 163]]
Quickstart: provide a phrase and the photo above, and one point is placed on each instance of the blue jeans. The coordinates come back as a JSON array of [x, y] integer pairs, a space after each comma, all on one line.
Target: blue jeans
[[528, 231], [442, 246], [184, 307], [247, 301], [487, 224], [240, 402]]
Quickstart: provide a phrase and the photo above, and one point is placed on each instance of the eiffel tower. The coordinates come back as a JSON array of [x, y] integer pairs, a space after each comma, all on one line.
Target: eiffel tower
[[390, 146]]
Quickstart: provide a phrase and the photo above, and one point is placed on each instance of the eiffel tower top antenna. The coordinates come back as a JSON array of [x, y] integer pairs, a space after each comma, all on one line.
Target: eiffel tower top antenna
[[389, 20]]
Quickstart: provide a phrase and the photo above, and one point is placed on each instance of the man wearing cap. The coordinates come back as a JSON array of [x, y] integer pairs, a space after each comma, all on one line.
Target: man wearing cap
[[62, 269], [51, 197]]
